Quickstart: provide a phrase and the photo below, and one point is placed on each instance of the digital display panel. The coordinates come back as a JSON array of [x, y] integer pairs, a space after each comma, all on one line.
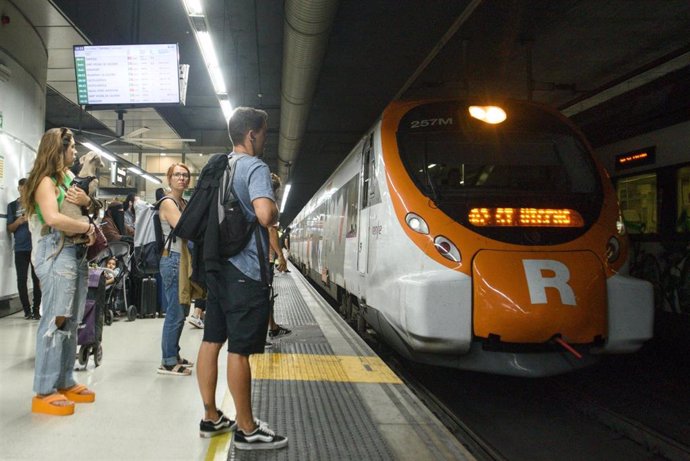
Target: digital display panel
[[524, 217], [640, 157], [127, 74]]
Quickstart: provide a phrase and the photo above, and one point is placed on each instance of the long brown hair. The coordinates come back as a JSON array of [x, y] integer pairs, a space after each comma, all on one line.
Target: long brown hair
[[50, 161]]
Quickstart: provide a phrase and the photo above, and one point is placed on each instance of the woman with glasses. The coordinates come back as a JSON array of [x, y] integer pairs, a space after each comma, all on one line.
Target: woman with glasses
[[171, 207], [62, 271]]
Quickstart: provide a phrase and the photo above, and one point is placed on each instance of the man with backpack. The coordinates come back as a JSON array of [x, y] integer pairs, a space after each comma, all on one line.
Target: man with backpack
[[238, 302]]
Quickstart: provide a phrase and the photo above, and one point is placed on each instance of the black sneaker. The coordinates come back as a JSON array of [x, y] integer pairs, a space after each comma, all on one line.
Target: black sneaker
[[278, 332], [209, 429], [262, 438]]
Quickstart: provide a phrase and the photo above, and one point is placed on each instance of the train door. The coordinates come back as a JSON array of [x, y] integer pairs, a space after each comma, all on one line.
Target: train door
[[365, 184]]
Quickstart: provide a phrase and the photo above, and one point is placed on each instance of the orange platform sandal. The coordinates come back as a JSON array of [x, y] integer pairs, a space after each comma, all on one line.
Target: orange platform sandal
[[75, 394], [47, 405]]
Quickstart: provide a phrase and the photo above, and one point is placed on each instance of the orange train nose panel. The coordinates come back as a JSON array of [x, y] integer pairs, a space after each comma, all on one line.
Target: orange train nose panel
[[527, 297]]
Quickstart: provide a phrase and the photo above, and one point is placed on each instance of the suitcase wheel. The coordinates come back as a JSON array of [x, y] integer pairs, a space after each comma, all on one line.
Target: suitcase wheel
[[132, 313]]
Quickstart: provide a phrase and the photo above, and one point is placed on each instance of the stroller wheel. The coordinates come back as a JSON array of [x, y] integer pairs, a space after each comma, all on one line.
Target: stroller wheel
[[132, 313], [98, 355], [108, 317], [83, 355]]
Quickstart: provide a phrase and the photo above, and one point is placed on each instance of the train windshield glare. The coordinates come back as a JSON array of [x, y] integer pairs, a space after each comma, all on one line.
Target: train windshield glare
[[450, 164]]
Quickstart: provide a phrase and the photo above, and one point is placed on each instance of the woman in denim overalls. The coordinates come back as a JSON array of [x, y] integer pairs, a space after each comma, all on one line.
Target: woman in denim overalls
[[61, 270]]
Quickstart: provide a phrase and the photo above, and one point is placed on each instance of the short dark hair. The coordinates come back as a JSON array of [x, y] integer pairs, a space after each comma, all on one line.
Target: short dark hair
[[244, 119], [21, 182]]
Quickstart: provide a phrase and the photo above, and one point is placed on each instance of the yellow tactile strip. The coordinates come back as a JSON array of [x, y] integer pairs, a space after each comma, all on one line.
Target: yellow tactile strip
[[334, 368]]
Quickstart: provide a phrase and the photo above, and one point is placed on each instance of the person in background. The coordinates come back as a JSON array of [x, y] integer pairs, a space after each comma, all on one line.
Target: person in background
[[275, 331], [284, 244], [130, 212], [62, 271], [238, 301], [112, 271], [159, 194], [190, 289], [17, 224], [171, 207], [114, 227]]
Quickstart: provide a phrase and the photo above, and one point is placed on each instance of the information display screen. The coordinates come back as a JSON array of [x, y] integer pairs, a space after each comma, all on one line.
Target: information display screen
[[127, 74]]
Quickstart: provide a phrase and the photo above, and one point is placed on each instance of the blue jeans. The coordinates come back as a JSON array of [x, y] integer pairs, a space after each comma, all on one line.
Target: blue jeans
[[64, 283], [174, 315]]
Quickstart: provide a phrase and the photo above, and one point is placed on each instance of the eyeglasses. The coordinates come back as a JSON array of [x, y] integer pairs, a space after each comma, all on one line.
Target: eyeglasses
[[180, 175]]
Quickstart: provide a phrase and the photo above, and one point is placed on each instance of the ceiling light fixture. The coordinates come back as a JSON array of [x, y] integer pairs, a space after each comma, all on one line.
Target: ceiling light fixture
[[193, 7], [285, 197], [116, 159], [198, 23], [100, 151]]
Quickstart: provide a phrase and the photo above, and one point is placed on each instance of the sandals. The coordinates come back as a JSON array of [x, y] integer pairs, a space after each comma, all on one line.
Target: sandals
[[185, 363], [76, 394], [177, 370], [47, 405]]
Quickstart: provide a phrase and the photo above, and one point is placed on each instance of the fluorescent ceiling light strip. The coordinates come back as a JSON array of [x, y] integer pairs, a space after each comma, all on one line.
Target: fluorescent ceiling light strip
[[135, 170], [217, 79], [212, 65], [207, 48], [227, 108], [285, 197], [193, 7], [151, 178], [100, 151]]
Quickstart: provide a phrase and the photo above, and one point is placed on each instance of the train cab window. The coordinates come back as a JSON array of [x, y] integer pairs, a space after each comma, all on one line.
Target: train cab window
[[531, 160], [683, 200], [637, 196]]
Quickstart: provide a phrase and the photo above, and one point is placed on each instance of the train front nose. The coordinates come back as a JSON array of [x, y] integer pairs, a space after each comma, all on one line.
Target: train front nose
[[530, 297]]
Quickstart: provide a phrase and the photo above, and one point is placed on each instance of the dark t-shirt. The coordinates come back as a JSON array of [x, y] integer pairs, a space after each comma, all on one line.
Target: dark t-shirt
[[22, 236]]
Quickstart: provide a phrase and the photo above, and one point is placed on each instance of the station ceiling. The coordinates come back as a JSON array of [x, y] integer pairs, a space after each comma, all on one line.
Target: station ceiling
[[616, 67]]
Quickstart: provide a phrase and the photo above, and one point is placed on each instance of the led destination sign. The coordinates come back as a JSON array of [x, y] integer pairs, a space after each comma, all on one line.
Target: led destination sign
[[640, 157], [524, 217]]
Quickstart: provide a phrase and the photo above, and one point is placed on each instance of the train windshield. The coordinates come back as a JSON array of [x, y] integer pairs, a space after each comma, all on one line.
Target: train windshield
[[533, 159]]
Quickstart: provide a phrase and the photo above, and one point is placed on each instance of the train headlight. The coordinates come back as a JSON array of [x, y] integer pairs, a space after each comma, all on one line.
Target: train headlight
[[613, 249], [447, 249], [417, 223], [488, 114]]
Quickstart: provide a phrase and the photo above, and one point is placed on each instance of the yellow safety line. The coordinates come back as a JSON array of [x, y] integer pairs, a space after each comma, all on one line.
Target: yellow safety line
[[333, 368], [304, 367], [219, 446]]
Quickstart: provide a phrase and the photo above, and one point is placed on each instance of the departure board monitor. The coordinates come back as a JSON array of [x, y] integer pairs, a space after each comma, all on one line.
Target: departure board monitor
[[117, 75]]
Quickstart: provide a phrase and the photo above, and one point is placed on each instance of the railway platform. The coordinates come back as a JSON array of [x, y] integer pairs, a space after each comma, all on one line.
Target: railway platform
[[321, 386]]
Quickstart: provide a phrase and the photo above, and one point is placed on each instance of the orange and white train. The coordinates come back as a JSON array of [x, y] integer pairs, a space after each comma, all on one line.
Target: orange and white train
[[477, 237]]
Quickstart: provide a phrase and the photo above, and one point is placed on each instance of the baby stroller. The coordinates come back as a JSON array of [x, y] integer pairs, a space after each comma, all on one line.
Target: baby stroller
[[90, 331], [116, 291]]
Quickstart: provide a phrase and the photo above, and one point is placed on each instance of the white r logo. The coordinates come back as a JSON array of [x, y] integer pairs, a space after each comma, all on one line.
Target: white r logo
[[537, 282]]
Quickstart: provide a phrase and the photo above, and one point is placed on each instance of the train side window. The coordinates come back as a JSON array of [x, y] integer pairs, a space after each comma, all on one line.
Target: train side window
[[683, 200], [637, 196]]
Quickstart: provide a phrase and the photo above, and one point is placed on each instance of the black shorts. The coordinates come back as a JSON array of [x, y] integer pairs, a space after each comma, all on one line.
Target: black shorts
[[237, 310]]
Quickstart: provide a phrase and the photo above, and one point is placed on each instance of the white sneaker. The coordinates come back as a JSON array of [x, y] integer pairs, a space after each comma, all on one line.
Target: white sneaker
[[195, 321]]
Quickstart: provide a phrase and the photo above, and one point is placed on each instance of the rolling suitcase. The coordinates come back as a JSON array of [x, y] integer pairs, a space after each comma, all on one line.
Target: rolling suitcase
[[148, 297]]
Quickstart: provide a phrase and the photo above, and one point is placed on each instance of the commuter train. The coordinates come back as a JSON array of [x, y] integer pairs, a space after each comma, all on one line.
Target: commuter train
[[477, 237]]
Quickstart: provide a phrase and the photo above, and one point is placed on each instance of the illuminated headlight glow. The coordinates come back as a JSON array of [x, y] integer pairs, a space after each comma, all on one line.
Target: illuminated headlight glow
[[489, 114], [417, 223]]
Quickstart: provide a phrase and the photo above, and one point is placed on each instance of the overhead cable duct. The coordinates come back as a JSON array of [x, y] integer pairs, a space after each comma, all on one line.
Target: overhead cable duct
[[306, 30]]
